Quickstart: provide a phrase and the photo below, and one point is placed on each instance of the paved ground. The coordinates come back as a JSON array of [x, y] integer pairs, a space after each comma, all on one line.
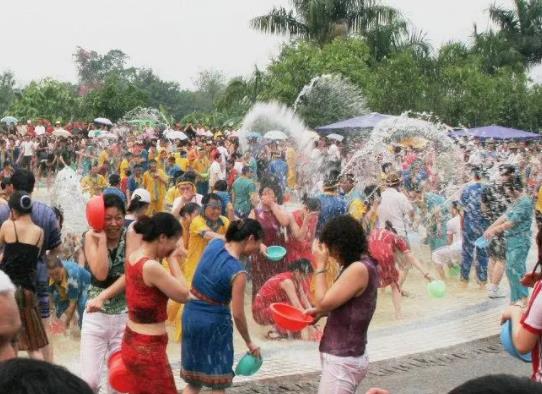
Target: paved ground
[[423, 373]]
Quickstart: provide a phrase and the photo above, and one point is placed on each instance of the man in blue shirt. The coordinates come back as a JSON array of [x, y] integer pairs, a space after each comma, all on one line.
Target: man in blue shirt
[[68, 286], [331, 203], [474, 225], [44, 217], [278, 169]]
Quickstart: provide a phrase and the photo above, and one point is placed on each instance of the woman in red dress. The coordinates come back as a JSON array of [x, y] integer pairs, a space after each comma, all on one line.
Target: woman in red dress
[[385, 246], [290, 287], [303, 231], [148, 288], [274, 221]]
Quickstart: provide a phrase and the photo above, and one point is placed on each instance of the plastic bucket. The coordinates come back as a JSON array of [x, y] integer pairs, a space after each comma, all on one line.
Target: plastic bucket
[[290, 318], [275, 253], [508, 344], [119, 377], [248, 365], [96, 213]]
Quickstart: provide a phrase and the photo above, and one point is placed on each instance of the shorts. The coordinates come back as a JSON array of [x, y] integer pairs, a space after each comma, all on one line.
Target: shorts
[[497, 249]]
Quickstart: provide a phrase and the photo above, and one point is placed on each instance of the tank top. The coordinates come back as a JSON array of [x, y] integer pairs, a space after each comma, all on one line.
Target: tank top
[[146, 304], [20, 261], [345, 334]]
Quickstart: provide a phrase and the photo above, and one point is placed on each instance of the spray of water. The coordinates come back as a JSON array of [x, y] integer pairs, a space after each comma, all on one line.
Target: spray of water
[[68, 196], [264, 117], [329, 98]]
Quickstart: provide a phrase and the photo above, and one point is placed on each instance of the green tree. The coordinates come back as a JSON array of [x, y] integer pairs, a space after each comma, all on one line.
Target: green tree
[[49, 99], [521, 27], [7, 91], [300, 62], [210, 84], [93, 68], [324, 20], [114, 98]]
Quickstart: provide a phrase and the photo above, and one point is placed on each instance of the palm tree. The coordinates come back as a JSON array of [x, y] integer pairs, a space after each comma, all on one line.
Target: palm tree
[[521, 27], [323, 20]]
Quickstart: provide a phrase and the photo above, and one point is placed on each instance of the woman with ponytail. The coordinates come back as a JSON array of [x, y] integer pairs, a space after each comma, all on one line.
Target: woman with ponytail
[[22, 241], [218, 285], [148, 288]]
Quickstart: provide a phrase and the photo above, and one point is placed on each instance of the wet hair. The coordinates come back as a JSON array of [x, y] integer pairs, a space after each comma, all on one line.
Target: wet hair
[[499, 384], [54, 262], [189, 209], [29, 376], [455, 205], [389, 227], [20, 202], [344, 236], [221, 186], [114, 201], [162, 223], [240, 230], [128, 172], [515, 184], [5, 182], [23, 180], [59, 215], [312, 204], [303, 266], [271, 184], [114, 179]]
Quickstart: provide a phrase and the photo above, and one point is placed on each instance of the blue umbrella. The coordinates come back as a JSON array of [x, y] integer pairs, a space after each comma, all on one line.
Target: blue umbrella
[[9, 120], [358, 123], [496, 133], [253, 134]]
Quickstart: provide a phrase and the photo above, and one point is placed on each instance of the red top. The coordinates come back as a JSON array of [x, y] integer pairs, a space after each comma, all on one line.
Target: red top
[[382, 246], [302, 249], [272, 292], [145, 304]]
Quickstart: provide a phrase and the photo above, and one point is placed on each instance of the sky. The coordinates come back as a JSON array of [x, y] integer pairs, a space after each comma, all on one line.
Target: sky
[[179, 38]]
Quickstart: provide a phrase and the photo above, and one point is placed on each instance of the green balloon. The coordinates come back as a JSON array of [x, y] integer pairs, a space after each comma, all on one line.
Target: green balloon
[[436, 289]]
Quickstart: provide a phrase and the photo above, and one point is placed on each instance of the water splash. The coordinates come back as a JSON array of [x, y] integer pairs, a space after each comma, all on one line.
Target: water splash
[[264, 117], [68, 196], [329, 98], [440, 149]]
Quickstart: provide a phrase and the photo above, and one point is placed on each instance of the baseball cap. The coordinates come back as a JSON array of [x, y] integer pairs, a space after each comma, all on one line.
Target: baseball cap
[[142, 195]]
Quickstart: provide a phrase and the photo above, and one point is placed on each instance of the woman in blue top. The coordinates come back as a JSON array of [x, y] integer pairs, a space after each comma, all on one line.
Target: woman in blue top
[[220, 279], [516, 225]]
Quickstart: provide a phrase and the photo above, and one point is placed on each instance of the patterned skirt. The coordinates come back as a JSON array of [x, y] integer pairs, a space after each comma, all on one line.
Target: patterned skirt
[[207, 346], [33, 336], [146, 358]]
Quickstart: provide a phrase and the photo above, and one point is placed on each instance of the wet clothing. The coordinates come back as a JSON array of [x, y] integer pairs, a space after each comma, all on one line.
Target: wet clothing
[[383, 245], [272, 292], [243, 188], [474, 225], [72, 288], [435, 205], [301, 249], [261, 268], [44, 217], [145, 357], [19, 262], [146, 304], [331, 205], [345, 334], [532, 322], [518, 242], [494, 204], [207, 342], [278, 169]]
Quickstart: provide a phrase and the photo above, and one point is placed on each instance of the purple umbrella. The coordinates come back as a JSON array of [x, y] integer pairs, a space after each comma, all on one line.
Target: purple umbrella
[[496, 133]]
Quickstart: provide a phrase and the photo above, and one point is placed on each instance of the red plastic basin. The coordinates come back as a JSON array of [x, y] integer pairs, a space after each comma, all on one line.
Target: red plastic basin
[[96, 213], [290, 318], [119, 377]]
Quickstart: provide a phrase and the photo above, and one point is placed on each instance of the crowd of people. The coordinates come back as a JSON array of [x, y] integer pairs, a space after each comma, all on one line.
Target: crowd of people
[[187, 227]]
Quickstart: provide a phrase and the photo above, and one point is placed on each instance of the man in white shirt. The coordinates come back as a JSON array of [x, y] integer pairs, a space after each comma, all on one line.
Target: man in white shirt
[[27, 153], [395, 207], [450, 254], [215, 171]]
